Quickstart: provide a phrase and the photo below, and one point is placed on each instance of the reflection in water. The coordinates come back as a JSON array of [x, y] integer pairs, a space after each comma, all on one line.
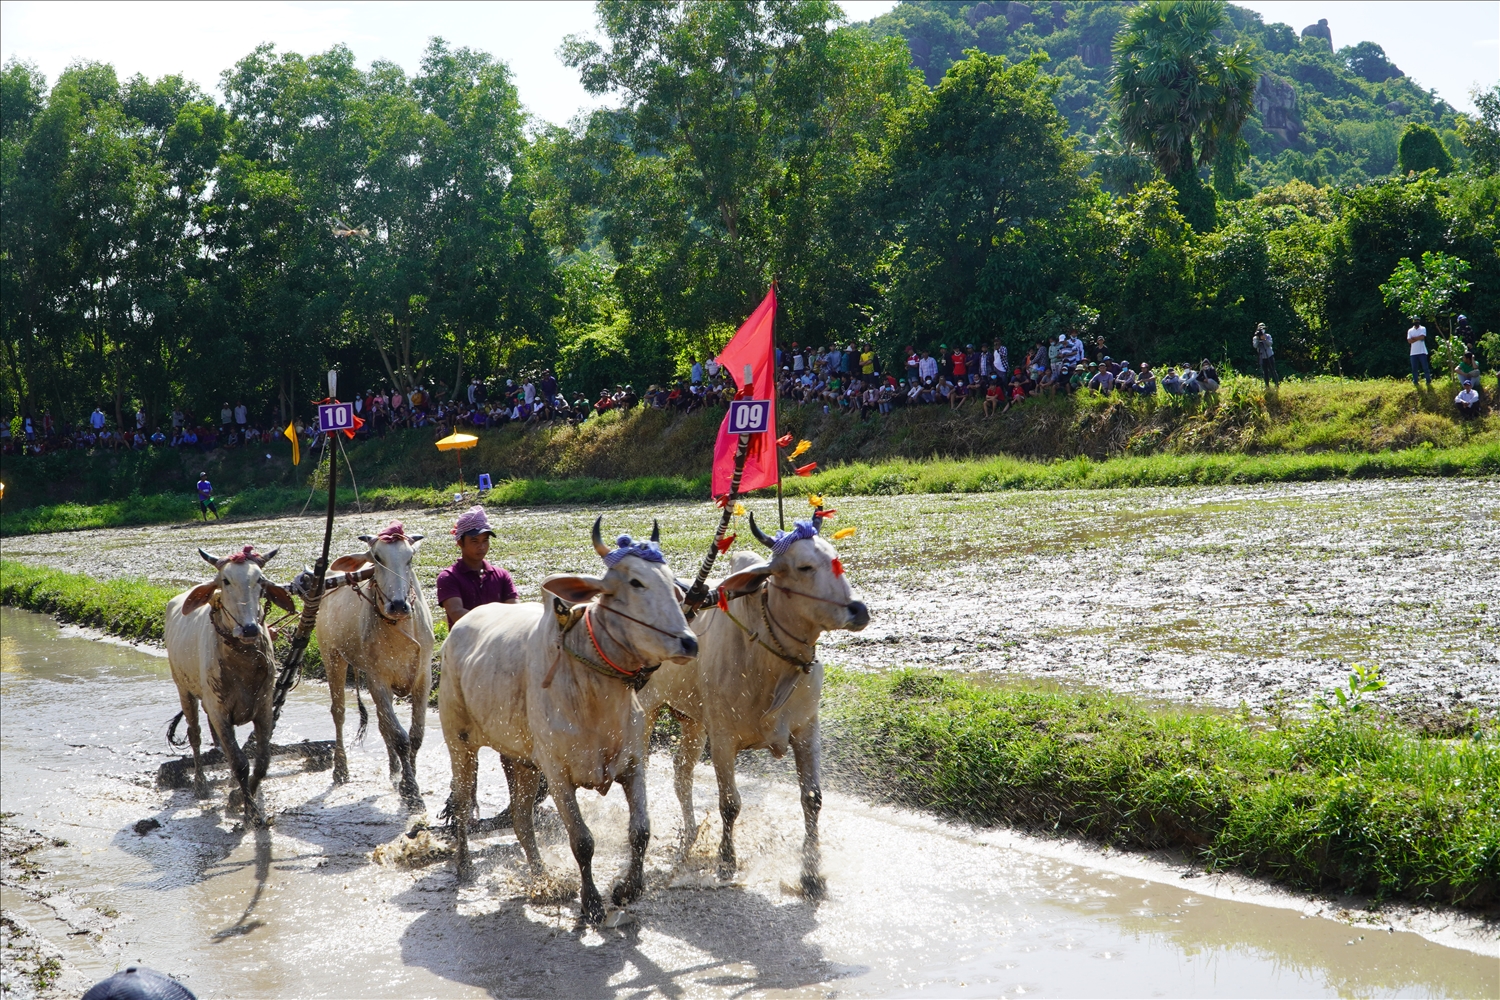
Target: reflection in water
[[916, 907]]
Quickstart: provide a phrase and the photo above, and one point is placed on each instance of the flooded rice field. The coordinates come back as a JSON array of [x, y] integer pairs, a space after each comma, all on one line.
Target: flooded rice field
[[102, 870], [1210, 595]]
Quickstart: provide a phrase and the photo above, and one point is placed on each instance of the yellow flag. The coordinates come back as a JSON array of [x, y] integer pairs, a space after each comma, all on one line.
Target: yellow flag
[[291, 435]]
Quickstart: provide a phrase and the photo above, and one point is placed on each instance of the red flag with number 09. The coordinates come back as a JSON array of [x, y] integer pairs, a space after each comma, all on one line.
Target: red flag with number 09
[[753, 346]]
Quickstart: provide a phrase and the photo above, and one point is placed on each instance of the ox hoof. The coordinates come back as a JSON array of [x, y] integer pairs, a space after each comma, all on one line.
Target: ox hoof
[[627, 891], [341, 774], [814, 887], [592, 912], [200, 789], [465, 873], [727, 871]]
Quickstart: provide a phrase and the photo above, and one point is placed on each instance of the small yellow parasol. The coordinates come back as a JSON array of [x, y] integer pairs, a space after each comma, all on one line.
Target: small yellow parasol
[[458, 442]]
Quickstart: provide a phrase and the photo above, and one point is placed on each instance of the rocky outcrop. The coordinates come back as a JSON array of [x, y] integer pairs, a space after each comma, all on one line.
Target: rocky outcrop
[[1319, 30], [1276, 103], [1094, 55]]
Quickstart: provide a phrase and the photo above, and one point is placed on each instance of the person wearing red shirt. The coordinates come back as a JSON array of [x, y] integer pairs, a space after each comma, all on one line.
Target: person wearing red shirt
[[473, 581]]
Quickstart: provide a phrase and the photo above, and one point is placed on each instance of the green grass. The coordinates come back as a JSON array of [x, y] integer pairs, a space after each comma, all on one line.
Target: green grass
[[904, 476], [128, 607], [1351, 802], [1345, 801]]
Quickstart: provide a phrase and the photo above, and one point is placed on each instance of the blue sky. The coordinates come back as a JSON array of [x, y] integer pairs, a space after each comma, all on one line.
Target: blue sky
[[1449, 46]]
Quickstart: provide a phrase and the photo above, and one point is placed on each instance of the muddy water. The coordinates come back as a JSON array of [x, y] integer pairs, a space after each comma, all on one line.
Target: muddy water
[[916, 908], [1214, 595]]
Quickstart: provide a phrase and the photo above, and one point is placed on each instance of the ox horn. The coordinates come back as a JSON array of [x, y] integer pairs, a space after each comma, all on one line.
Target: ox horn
[[213, 561], [760, 536], [817, 519], [655, 531], [599, 545]]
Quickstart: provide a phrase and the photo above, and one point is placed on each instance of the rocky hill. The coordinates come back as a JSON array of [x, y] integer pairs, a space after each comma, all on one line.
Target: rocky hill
[[1323, 114]]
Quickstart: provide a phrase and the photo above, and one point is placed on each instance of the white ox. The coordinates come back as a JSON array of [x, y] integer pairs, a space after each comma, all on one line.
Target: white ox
[[220, 653], [382, 628], [555, 694], [757, 681]]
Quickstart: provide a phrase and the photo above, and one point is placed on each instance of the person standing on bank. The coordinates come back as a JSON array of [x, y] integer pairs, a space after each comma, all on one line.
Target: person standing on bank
[[473, 580], [1267, 354], [206, 501], [1417, 338]]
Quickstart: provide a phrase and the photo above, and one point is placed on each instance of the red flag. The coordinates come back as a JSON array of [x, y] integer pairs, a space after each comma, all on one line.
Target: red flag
[[752, 346]]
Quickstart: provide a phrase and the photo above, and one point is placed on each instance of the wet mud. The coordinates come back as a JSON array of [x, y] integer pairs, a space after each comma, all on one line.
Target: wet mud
[[1206, 595], [329, 901]]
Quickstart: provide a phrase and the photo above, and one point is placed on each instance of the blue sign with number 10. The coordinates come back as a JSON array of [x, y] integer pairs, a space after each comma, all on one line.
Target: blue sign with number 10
[[749, 416], [335, 417]]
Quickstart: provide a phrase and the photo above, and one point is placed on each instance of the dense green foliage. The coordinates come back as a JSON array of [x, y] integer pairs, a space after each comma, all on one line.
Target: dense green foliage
[[163, 248], [1342, 800]]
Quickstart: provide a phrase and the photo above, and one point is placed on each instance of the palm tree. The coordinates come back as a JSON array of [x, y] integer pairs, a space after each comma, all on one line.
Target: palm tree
[[1180, 94]]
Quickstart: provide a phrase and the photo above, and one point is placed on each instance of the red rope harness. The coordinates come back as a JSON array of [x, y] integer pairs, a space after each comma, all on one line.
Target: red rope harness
[[588, 623]]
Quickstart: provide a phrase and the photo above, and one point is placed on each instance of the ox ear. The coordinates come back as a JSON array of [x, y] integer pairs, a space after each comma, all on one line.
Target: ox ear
[[344, 564], [573, 589], [278, 596], [266, 557], [213, 561], [197, 597], [746, 581]]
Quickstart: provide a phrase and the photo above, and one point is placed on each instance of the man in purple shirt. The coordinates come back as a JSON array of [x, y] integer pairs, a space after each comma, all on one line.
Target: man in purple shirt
[[473, 580]]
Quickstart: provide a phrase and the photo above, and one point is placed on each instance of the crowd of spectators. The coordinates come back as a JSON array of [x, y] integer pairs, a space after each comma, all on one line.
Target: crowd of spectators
[[848, 378], [852, 378]]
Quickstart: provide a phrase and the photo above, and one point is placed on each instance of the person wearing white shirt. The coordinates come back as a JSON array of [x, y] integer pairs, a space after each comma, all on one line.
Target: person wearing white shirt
[[927, 368], [96, 419], [1467, 401], [1417, 338], [1001, 359]]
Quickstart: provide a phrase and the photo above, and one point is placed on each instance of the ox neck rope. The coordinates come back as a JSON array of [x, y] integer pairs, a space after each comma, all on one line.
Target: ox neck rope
[[370, 599], [567, 619], [779, 651], [215, 605]]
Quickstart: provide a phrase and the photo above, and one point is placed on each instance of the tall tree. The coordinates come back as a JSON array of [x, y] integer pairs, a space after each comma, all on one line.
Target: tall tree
[[744, 130], [1182, 95], [982, 199]]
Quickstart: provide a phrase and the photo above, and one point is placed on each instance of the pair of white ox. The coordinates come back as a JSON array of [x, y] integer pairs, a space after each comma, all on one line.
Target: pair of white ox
[[220, 653], [555, 694]]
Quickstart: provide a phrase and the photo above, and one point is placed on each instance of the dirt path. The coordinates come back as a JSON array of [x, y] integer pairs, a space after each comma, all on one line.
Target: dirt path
[[1208, 595]]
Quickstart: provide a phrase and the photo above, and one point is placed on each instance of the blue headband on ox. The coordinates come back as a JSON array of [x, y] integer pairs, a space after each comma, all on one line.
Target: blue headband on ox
[[784, 539], [649, 551]]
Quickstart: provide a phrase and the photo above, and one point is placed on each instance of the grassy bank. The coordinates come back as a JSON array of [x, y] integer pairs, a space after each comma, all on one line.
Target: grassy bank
[[127, 607], [1342, 799], [660, 452], [852, 479]]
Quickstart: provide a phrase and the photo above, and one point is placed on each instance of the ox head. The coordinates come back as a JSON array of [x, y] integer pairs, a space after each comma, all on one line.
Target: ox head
[[393, 551], [804, 570], [637, 584], [240, 585]]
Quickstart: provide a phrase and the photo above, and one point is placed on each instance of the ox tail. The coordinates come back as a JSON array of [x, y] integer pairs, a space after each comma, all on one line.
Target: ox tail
[[172, 739], [364, 713]]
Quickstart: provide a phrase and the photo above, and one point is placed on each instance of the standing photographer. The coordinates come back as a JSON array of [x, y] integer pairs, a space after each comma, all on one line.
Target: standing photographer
[[1267, 354]]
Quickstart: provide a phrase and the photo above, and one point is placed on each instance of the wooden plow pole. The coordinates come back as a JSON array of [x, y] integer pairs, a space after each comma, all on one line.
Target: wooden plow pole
[[699, 590]]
